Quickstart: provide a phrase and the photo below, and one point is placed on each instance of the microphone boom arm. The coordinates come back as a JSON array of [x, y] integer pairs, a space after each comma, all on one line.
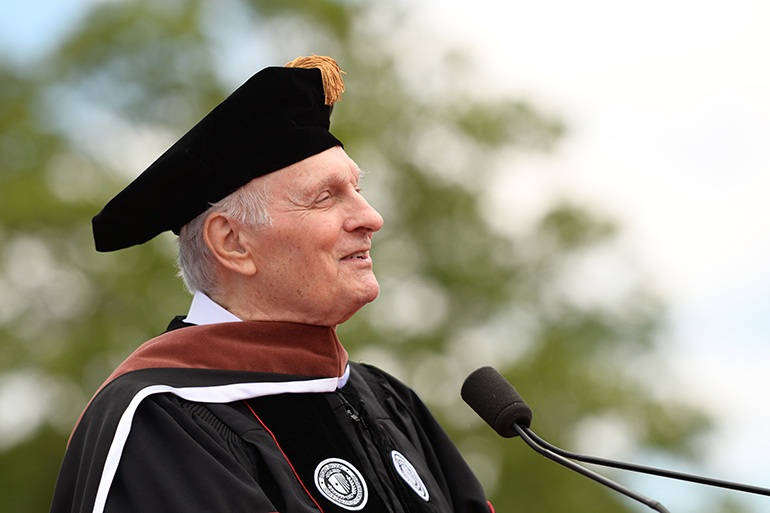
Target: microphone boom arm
[[642, 468], [525, 434], [495, 400]]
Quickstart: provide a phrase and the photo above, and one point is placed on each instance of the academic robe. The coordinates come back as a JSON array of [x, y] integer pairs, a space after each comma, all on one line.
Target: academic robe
[[259, 417]]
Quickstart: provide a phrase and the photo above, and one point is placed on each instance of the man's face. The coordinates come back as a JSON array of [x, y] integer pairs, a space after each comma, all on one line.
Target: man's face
[[313, 263]]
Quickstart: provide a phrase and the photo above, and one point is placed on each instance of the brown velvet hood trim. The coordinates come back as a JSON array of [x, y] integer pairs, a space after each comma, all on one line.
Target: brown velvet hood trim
[[256, 346]]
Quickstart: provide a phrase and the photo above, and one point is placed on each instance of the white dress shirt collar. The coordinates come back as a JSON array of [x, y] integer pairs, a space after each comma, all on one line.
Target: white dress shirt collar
[[204, 310]]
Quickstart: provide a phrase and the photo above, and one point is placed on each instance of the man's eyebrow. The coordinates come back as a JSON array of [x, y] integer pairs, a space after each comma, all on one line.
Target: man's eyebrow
[[336, 178], [341, 177], [310, 190]]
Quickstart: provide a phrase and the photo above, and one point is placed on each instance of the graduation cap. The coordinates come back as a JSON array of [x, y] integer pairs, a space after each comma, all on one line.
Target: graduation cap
[[278, 117]]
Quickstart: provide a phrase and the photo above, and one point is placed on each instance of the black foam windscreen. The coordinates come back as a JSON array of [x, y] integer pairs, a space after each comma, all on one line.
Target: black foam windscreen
[[495, 400]]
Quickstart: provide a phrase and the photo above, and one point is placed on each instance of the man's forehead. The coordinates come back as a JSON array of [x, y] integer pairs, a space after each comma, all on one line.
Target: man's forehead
[[302, 186], [327, 173]]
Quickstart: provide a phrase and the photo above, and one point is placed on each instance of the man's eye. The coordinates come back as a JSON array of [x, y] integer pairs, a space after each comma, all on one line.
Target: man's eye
[[323, 198]]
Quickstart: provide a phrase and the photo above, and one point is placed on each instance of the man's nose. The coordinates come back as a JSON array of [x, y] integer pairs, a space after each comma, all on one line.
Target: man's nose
[[363, 215]]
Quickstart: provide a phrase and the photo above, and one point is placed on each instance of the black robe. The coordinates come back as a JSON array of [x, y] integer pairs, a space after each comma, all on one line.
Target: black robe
[[259, 417]]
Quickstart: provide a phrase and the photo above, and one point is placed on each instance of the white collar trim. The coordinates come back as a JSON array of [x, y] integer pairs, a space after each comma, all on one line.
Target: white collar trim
[[204, 310]]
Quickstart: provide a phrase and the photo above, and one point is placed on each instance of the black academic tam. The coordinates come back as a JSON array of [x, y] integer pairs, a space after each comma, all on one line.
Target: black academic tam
[[280, 116]]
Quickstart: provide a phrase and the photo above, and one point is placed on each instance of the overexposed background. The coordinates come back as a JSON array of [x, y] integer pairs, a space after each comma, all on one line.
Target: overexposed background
[[667, 105]]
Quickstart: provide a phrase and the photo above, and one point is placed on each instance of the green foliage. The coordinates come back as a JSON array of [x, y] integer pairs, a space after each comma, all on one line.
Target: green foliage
[[456, 293], [27, 466]]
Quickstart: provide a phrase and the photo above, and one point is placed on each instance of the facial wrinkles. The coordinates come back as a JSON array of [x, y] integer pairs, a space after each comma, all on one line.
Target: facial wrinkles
[[312, 196], [304, 272]]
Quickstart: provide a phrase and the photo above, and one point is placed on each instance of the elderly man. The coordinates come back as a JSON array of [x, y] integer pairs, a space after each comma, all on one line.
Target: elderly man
[[249, 402]]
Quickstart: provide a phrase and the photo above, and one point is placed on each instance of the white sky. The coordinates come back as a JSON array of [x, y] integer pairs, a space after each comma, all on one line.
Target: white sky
[[668, 106]]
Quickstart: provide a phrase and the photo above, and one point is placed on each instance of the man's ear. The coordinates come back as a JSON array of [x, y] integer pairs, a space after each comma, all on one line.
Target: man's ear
[[225, 239]]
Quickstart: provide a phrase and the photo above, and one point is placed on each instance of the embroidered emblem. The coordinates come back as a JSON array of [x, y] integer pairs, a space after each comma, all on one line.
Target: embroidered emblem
[[408, 473], [341, 483]]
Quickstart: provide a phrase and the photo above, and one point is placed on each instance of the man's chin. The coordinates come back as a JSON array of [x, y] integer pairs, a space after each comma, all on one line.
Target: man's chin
[[373, 292], [362, 300]]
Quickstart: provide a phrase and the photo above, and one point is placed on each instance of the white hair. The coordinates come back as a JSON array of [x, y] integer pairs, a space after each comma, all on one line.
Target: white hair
[[246, 205]]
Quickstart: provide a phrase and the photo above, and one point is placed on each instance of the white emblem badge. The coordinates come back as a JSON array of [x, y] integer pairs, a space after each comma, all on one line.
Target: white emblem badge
[[408, 473], [341, 483]]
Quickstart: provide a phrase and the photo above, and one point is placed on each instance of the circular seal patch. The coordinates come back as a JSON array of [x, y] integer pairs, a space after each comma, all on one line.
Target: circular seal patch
[[341, 483], [408, 473]]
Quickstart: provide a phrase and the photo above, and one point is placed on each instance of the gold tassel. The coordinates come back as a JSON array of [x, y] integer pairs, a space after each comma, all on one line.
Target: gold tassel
[[331, 74]]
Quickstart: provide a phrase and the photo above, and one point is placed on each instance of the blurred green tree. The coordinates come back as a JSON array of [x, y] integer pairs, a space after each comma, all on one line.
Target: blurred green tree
[[460, 288]]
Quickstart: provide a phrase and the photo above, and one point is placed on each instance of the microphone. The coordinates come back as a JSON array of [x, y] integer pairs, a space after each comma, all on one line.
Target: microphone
[[495, 400], [500, 405], [485, 391]]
